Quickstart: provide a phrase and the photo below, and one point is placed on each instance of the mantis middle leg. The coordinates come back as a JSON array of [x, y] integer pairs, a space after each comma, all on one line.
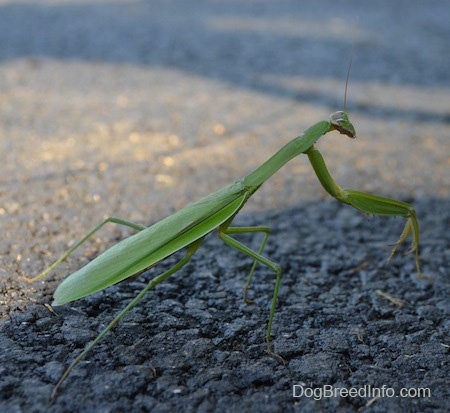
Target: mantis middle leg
[[247, 230], [231, 242]]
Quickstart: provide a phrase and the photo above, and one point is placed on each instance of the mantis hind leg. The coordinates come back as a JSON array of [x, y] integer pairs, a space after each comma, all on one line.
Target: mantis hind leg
[[231, 242], [152, 284], [113, 220]]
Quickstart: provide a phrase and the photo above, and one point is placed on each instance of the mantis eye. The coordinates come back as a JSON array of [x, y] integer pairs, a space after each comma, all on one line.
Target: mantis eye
[[341, 123]]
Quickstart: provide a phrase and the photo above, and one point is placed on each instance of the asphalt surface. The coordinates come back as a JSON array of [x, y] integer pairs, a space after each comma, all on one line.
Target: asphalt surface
[[137, 108]]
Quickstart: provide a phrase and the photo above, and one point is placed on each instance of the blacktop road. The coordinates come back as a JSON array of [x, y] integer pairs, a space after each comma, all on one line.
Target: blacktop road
[[137, 108]]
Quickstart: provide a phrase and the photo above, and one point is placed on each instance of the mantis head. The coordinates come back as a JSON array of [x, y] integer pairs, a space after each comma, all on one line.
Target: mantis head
[[341, 123]]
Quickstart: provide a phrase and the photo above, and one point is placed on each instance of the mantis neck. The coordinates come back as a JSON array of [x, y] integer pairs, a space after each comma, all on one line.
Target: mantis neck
[[292, 149]]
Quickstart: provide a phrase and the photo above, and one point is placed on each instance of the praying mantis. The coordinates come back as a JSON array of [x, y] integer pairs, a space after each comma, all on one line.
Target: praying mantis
[[187, 228]]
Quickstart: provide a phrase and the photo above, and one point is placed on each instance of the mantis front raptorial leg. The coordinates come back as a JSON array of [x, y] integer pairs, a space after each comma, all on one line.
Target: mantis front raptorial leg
[[370, 204]]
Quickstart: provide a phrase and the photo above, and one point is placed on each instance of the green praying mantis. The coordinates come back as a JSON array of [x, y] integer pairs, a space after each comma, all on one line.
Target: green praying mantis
[[187, 229]]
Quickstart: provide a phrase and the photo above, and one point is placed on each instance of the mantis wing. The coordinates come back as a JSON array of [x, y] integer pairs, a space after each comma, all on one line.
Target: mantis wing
[[153, 244]]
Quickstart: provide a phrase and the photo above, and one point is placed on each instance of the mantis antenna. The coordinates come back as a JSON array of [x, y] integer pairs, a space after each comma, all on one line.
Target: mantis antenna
[[346, 79]]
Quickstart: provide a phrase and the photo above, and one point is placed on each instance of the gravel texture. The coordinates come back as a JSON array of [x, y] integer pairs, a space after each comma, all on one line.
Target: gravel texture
[[137, 108]]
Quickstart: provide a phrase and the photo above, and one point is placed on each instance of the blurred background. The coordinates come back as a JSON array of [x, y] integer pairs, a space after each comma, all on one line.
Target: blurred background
[[136, 108]]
